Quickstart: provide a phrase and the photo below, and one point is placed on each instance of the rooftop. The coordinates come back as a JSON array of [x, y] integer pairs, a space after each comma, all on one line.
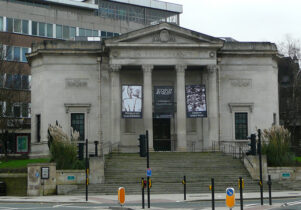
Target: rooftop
[[155, 4]]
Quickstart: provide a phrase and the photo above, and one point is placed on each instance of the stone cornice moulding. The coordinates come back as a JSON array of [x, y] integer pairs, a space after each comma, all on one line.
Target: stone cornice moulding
[[77, 105], [232, 106]]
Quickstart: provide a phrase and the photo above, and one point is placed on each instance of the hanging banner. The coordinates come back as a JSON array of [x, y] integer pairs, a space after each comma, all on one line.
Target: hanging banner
[[131, 101], [163, 101], [196, 101]]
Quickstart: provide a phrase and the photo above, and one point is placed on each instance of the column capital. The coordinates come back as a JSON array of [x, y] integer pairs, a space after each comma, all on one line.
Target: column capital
[[115, 67], [212, 68], [147, 68], [181, 68]]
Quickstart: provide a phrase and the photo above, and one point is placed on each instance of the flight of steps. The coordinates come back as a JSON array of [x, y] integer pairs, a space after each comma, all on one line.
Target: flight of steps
[[168, 169]]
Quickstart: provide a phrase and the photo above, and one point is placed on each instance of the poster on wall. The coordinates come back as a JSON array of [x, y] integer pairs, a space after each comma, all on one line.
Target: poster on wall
[[22, 144], [131, 101], [163, 101], [196, 101]]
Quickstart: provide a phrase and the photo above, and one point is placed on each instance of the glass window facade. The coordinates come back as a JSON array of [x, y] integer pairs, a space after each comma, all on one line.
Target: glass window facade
[[14, 53], [241, 125], [9, 25], [25, 26], [49, 30], [17, 26], [42, 29], [34, 28]]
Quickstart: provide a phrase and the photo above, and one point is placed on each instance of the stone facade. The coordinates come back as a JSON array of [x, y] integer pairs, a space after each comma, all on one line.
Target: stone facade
[[87, 77]]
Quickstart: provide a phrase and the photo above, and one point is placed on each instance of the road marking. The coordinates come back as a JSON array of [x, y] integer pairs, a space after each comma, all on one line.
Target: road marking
[[249, 205], [292, 203], [61, 205]]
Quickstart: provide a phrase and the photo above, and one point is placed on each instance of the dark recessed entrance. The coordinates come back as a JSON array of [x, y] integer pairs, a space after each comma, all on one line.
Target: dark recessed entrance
[[162, 140]]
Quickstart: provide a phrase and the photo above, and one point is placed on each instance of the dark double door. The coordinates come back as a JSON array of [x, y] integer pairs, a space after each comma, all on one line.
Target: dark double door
[[161, 132]]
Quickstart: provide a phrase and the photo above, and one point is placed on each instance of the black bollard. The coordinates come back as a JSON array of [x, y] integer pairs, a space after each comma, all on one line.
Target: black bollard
[[142, 185], [241, 193], [212, 192], [270, 190], [184, 183], [96, 150]]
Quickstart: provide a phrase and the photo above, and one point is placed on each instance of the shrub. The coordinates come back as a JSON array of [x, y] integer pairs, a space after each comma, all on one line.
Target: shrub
[[276, 146], [63, 151]]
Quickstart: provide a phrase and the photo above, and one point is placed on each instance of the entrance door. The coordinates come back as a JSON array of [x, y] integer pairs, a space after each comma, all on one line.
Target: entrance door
[[161, 129]]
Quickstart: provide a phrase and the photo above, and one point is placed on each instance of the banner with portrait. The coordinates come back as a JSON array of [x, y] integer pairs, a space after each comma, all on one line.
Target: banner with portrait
[[131, 101], [163, 101], [196, 106]]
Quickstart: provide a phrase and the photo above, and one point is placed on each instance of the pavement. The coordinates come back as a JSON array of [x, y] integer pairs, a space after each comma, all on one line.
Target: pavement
[[109, 200]]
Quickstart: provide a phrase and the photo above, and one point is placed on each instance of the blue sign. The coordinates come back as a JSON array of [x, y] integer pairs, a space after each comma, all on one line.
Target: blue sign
[[37, 174], [149, 172], [230, 192], [71, 177]]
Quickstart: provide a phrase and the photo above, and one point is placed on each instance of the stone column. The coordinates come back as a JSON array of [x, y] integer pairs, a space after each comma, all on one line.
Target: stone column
[[181, 109], [148, 102], [212, 107], [115, 105]]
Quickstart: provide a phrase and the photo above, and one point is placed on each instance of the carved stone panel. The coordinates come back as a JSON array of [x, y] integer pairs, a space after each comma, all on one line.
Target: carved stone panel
[[241, 82], [164, 36], [76, 83]]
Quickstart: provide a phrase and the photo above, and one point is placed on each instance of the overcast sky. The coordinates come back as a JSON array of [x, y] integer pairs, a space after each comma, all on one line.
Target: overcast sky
[[243, 20]]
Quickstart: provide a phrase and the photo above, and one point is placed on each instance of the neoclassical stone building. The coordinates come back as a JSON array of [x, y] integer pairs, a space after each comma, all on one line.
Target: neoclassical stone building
[[186, 88]]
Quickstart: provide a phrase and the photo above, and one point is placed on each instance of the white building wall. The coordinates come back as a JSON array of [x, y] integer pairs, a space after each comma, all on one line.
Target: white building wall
[[251, 84]]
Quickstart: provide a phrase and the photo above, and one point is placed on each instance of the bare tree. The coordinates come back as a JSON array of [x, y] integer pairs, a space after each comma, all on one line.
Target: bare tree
[[290, 46]]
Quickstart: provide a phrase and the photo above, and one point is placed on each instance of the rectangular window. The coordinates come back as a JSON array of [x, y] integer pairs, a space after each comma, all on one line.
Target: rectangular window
[[109, 34], [116, 34], [241, 125], [82, 32], [17, 110], [34, 28], [59, 33], [25, 82], [95, 33], [1, 23], [9, 53], [88, 32], [17, 54], [17, 81], [72, 32], [1, 109], [1, 80], [24, 51], [49, 30], [42, 29], [25, 26], [17, 25], [103, 34], [8, 109], [66, 33], [8, 81], [25, 109], [38, 128], [78, 124], [9, 25]]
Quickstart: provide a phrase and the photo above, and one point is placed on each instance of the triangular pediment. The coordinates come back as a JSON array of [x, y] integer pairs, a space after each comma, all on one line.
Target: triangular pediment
[[164, 34]]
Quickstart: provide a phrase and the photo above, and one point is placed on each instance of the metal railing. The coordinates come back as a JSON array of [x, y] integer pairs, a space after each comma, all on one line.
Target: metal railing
[[235, 148]]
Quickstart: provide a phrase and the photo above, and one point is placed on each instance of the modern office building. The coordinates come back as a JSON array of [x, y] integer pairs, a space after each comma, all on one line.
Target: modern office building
[[23, 22], [188, 89]]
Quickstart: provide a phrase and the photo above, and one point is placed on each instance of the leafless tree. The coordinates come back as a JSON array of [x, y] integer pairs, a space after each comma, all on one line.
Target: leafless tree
[[290, 46]]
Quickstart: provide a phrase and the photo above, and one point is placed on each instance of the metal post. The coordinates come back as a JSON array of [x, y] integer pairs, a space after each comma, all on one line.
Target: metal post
[[260, 166], [96, 150], [142, 185], [184, 180], [148, 190], [87, 170], [212, 191], [270, 190], [241, 194]]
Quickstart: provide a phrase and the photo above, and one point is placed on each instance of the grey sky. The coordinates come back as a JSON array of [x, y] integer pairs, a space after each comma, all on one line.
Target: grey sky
[[244, 20]]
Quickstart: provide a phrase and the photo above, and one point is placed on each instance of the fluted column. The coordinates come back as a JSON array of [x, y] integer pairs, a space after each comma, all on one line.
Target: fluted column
[[212, 106], [148, 102], [115, 105], [181, 109]]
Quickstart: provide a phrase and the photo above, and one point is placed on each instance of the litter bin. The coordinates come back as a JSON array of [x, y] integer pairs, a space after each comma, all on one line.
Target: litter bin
[[2, 189]]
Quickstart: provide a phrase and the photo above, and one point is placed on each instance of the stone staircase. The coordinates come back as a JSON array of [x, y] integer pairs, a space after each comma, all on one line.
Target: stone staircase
[[168, 169]]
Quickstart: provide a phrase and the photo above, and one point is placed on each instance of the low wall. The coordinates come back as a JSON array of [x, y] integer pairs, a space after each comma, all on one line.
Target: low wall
[[252, 165], [285, 173], [16, 183]]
